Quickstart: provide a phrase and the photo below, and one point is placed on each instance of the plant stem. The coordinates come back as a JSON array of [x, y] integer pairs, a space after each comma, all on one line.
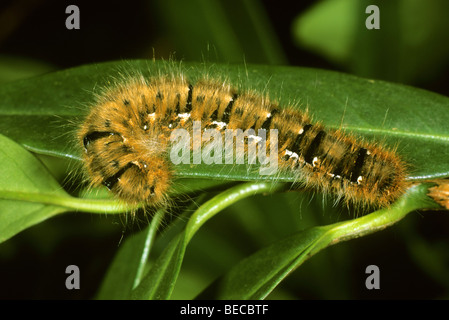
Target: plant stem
[[66, 201]]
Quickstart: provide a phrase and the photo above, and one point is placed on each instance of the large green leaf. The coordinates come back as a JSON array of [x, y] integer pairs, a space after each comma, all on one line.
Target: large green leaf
[[42, 113]]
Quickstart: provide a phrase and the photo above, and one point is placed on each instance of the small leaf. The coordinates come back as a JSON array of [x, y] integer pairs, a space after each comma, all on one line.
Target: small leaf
[[125, 272], [23, 175]]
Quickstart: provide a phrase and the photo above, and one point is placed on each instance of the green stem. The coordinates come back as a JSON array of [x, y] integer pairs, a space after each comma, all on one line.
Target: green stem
[[414, 199], [161, 279], [77, 204], [225, 199]]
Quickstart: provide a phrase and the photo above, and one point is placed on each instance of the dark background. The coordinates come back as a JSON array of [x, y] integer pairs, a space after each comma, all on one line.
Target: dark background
[[34, 40]]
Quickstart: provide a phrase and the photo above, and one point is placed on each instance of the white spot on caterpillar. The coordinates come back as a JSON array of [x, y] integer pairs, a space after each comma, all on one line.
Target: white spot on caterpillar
[[359, 180], [256, 138], [315, 161], [291, 154], [219, 124], [301, 131], [184, 115]]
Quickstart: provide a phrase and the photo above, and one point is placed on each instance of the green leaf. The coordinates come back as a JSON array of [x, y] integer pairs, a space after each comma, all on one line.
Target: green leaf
[[315, 28], [13, 68], [125, 272], [29, 194], [43, 113], [23, 175], [257, 275]]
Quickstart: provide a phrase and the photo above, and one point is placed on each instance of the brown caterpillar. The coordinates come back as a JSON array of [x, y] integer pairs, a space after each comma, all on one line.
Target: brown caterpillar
[[125, 139]]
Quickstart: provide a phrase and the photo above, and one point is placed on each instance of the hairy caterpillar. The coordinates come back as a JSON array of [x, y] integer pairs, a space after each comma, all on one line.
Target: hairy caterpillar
[[126, 138]]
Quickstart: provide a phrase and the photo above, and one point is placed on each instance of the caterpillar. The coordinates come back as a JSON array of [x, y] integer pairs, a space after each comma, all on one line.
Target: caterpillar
[[126, 140]]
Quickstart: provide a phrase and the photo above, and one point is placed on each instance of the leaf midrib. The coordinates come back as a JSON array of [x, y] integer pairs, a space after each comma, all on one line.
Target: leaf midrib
[[408, 134]]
